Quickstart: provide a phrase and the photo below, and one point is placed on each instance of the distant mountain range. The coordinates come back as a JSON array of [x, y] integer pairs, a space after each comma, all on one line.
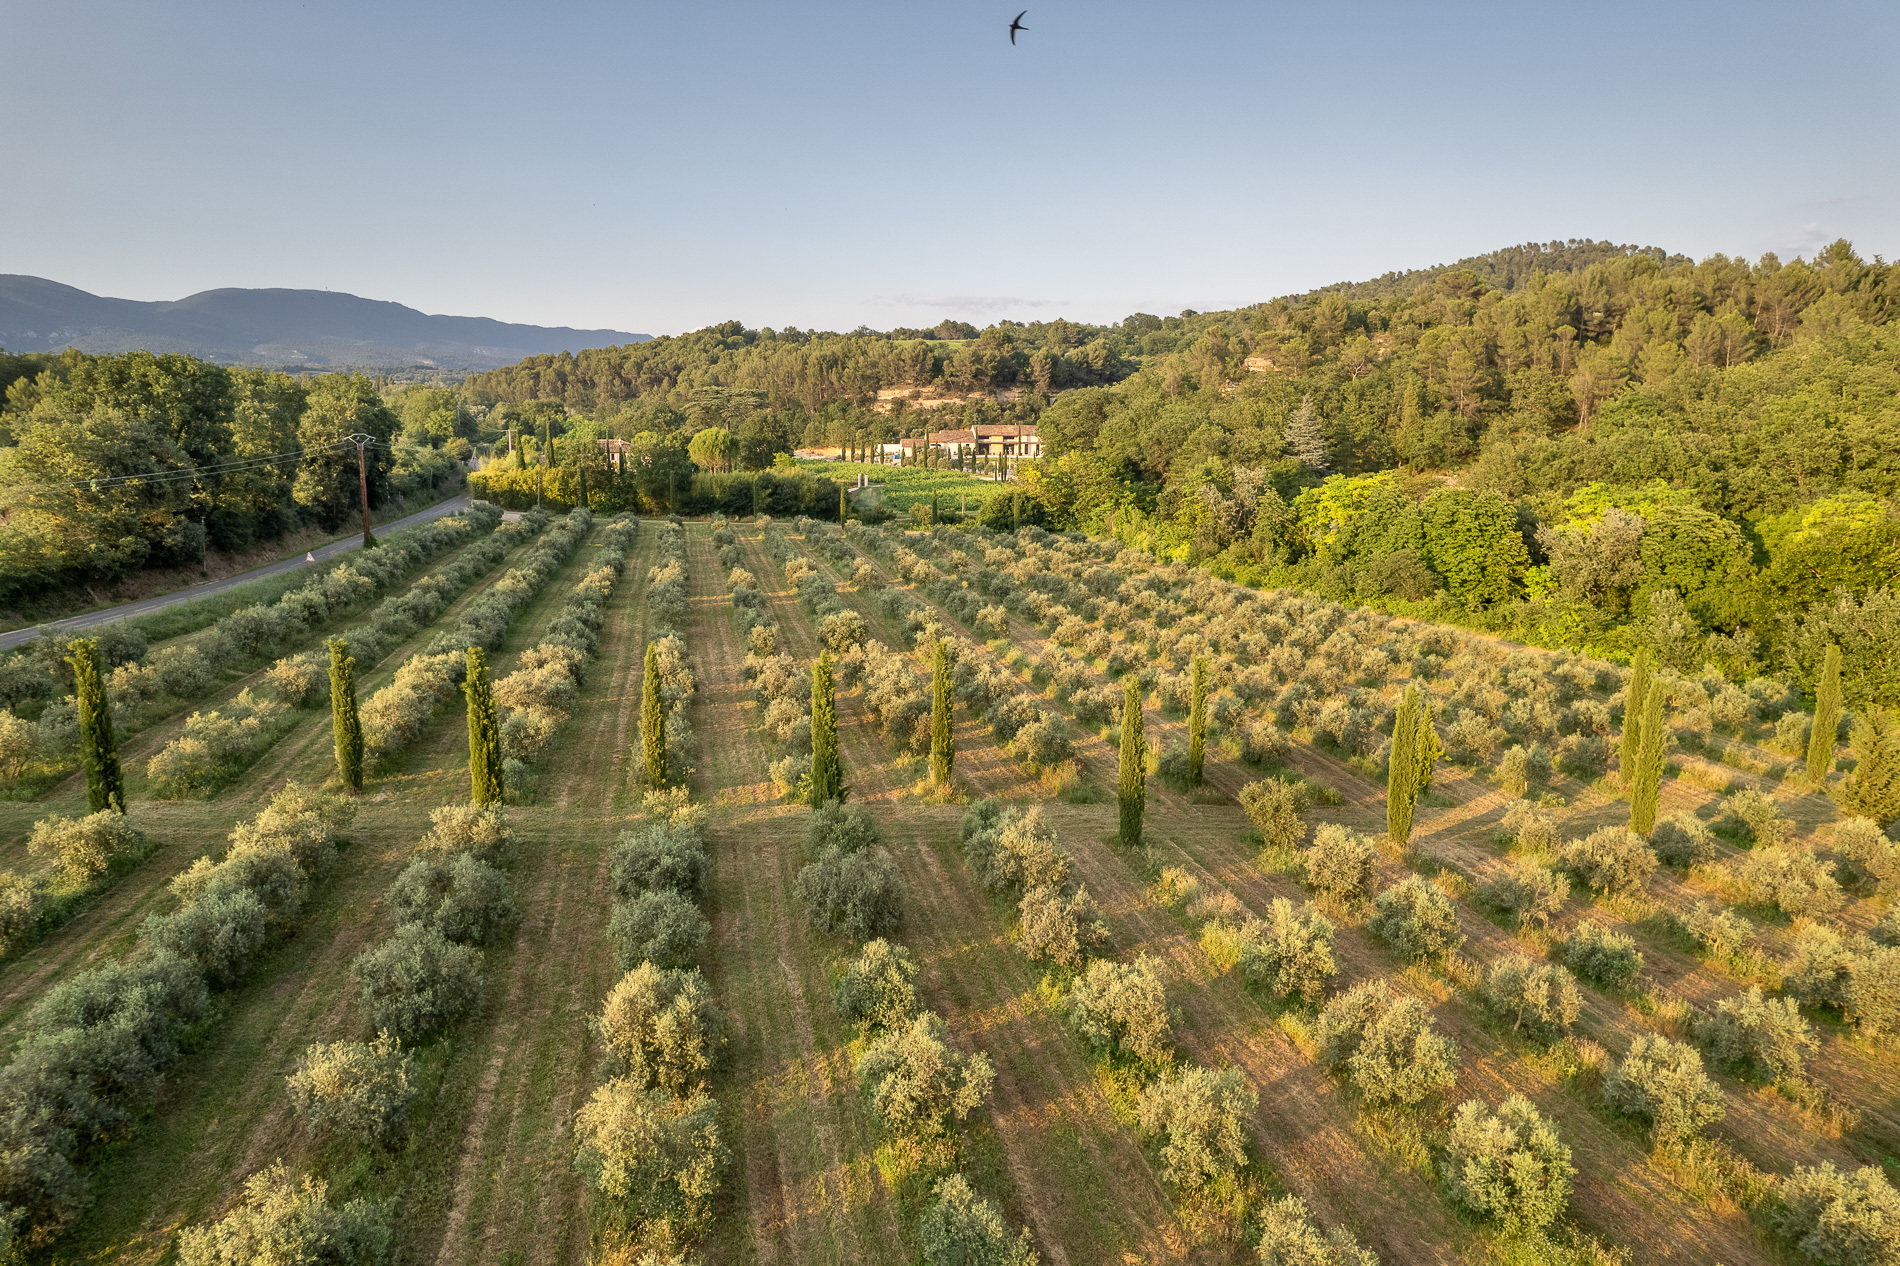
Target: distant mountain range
[[277, 328]]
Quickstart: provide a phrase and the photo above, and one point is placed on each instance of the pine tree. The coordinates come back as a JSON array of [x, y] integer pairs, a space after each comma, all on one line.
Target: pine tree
[[346, 727], [98, 746], [653, 719], [484, 732], [943, 742], [827, 777], [1634, 699], [1827, 718], [1873, 789], [1647, 788], [1197, 723], [1401, 777], [1134, 771], [1304, 439]]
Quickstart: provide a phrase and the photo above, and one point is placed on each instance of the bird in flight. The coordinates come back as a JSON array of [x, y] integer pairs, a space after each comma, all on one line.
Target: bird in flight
[[1016, 26]]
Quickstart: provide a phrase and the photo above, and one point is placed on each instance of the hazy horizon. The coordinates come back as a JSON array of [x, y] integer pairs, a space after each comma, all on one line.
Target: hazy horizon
[[656, 169]]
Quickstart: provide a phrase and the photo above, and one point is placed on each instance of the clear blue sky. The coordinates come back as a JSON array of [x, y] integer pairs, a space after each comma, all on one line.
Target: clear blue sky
[[656, 168]]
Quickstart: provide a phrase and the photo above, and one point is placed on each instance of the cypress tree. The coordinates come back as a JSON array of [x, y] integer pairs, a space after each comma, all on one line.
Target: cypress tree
[[653, 719], [1634, 700], [844, 510], [827, 778], [1401, 777], [1197, 723], [1133, 792], [484, 732], [1647, 789], [1827, 718], [1873, 789], [345, 725], [943, 742], [1426, 749], [98, 746]]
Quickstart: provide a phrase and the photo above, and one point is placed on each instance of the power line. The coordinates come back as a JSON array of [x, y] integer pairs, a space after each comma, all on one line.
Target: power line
[[176, 474]]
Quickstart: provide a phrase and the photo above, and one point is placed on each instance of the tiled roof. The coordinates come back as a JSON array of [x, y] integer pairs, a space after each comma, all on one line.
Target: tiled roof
[[1027, 431]]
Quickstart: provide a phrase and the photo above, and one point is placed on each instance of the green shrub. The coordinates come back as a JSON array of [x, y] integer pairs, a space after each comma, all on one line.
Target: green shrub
[[1277, 809], [1758, 816], [1874, 856], [878, 988], [855, 895], [660, 927], [652, 1157], [1013, 849], [1793, 880], [1064, 928], [1416, 919], [1609, 958], [1664, 1081], [418, 981], [466, 900], [847, 827], [1841, 1219], [1386, 1044], [20, 898], [1872, 998], [1340, 863], [660, 1027], [220, 933], [1290, 951], [1821, 966], [466, 828], [1718, 930], [1767, 1034], [361, 1090], [963, 1229], [1123, 1007], [1611, 859], [1203, 1117], [1542, 996], [1509, 1166], [1529, 828], [658, 856], [1684, 840], [82, 849], [1528, 892], [918, 1083], [284, 1220], [1288, 1236]]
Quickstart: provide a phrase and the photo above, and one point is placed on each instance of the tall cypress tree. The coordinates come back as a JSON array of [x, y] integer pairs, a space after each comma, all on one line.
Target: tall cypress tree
[[345, 726], [653, 719], [1401, 777], [484, 732], [1873, 789], [827, 778], [1426, 749], [1646, 792], [1133, 792], [1634, 700], [943, 741], [1827, 718], [844, 508], [1197, 722], [98, 746]]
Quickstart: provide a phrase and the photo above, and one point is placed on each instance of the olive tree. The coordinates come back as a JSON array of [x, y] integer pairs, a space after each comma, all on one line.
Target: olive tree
[[918, 1083], [1277, 809], [1064, 928], [963, 1229], [1611, 859], [879, 987], [1508, 1165], [1123, 1008], [417, 981], [361, 1090], [1841, 1219], [1664, 1081], [1386, 1044], [1289, 1237], [1340, 863], [1609, 958], [1541, 995], [1203, 1117], [649, 1154], [660, 1027], [1528, 892], [1290, 951], [661, 927], [1748, 1030], [855, 895], [1416, 919], [282, 1219]]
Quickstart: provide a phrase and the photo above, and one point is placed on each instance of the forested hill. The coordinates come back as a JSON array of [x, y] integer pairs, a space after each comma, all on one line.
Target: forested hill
[[277, 328], [1577, 443]]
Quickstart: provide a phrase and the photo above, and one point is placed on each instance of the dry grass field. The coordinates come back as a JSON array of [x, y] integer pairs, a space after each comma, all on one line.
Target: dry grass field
[[812, 1175]]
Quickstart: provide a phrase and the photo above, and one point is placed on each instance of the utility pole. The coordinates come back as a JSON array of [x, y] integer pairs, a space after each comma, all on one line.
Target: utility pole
[[362, 483]]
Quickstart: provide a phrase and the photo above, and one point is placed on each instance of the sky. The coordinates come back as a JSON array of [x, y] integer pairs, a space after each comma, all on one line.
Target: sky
[[656, 168]]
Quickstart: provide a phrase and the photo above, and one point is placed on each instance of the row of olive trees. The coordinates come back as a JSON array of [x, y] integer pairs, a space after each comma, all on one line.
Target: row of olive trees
[[538, 695], [96, 1047], [143, 684]]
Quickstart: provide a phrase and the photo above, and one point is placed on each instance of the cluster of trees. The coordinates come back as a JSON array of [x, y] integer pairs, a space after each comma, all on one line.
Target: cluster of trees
[[109, 464]]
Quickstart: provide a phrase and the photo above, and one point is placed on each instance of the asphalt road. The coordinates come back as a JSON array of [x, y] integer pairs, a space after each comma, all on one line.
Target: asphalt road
[[148, 605]]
